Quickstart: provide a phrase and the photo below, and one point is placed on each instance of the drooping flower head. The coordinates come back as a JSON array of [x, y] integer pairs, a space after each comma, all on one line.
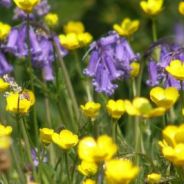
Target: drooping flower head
[[110, 59]]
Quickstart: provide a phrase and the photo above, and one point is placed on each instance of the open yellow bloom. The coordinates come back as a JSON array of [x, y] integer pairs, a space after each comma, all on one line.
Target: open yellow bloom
[[173, 144], [88, 168], [4, 31], [26, 5], [89, 181], [119, 171], [135, 69], [46, 135], [153, 178], [92, 150], [115, 108], [84, 38], [181, 8], [176, 69], [91, 109], [5, 140], [164, 97], [20, 103], [127, 27], [65, 139], [142, 107], [51, 19], [3, 85], [152, 7], [74, 27]]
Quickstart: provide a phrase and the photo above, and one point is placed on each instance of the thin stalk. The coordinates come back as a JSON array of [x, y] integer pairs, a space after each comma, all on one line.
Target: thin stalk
[[154, 30], [100, 174], [28, 147], [31, 75], [67, 167], [48, 113], [68, 84], [115, 130]]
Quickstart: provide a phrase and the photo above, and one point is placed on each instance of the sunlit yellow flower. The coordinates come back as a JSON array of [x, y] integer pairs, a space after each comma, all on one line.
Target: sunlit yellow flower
[[135, 69], [176, 69], [92, 150], [26, 5], [51, 19], [5, 140], [116, 108], [181, 8], [164, 97], [46, 135], [65, 139], [3, 85], [84, 38], [119, 171], [89, 181], [142, 107], [91, 109], [88, 168], [74, 27], [153, 178], [127, 27], [69, 41], [152, 7], [5, 130], [4, 31], [20, 102], [173, 144]]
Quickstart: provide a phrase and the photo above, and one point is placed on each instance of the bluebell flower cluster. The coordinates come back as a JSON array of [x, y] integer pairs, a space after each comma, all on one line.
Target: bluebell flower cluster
[[110, 59]]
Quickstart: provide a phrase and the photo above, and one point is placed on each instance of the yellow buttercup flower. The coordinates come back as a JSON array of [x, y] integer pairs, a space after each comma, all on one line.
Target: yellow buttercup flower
[[127, 27], [92, 150], [115, 108], [74, 27], [65, 139], [88, 168], [119, 171], [3, 85], [89, 181], [135, 69], [69, 41], [173, 144], [4, 31], [46, 135], [26, 5], [142, 107], [153, 178], [5, 140], [176, 69], [181, 8], [164, 97], [20, 102], [91, 109], [152, 7], [84, 38], [51, 19]]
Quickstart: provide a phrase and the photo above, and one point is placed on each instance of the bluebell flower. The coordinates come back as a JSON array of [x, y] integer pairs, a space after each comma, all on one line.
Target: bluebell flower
[[6, 3], [5, 67], [110, 59]]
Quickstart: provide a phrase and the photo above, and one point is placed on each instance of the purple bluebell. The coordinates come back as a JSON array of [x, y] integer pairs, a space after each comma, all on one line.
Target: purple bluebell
[[6, 3], [166, 52], [5, 67], [35, 158], [110, 59], [39, 11]]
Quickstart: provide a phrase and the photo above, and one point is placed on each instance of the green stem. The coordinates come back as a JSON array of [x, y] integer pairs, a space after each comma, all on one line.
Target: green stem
[[115, 130], [28, 147], [48, 113], [68, 84], [154, 31], [31, 75], [67, 167], [100, 174]]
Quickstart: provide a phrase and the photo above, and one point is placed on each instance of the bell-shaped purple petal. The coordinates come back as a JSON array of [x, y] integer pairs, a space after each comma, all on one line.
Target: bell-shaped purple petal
[[4, 66], [42, 8], [62, 51], [93, 64], [6, 3], [47, 73], [12, 41]]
